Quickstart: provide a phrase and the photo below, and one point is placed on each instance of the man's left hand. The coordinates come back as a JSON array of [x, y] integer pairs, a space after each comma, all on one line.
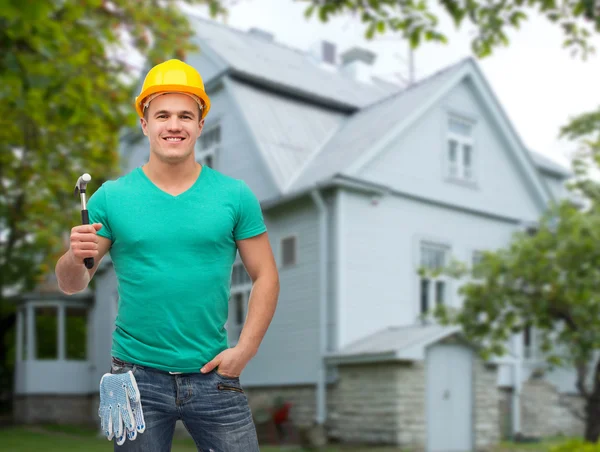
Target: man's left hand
[[231, 362]]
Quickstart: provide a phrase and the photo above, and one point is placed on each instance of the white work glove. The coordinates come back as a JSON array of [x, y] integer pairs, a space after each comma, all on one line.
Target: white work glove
[[120, 408]]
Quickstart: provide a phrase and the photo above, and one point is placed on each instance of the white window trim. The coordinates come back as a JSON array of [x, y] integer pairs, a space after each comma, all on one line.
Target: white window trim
[[474, 252], [201, 153], [531, 353], [419, 241], [289, 236], [461, 140]]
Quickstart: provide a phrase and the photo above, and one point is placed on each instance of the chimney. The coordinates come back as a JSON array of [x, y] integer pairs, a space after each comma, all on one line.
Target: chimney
[[262, 34], [324, 53], [357, 63]]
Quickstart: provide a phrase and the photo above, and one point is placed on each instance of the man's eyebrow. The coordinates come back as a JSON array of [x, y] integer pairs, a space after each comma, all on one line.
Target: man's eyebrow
[[166, 112]]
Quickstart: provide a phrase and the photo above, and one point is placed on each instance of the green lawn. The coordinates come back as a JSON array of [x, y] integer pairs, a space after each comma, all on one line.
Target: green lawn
[[75, 439], [71, 439]]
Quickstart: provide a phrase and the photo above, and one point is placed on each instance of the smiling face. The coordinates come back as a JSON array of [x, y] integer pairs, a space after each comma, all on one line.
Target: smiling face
[[172, 124]]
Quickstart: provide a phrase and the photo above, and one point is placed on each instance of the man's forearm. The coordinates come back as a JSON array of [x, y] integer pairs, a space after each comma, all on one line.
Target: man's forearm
[[261, 308], [71, 277]]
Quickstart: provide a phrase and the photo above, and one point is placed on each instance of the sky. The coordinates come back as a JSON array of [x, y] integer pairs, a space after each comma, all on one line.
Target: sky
[[538, 83]]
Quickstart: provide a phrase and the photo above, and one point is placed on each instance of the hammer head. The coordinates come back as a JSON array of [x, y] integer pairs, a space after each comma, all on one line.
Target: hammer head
[[82, 183]]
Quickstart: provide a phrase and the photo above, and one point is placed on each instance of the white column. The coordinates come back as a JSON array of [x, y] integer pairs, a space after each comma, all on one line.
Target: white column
[[61, 333], [30, 320], [19, 345]]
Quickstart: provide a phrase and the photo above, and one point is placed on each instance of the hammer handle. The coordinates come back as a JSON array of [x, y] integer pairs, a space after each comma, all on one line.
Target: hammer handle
[[85, 219]]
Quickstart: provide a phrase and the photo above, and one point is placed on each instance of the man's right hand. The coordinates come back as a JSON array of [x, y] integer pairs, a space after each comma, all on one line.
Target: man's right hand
[[84, 242]]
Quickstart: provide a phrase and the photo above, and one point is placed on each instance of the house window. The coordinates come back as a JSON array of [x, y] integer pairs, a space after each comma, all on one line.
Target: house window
[[433, 290], [288, 251], [208, 143], [476, 258], [460, 151], [241, 286], [46, 332], [76, 323], [529, 345]]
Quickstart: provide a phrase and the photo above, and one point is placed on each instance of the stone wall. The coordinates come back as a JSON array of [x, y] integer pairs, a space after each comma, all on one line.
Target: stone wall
[[487, 405], [411, 405], [370, 403], [303, 399], [63, 409], [379, 403], [385, 403], [546, 412]]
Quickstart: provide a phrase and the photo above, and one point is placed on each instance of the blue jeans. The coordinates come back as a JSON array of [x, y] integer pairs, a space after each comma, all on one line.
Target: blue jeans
[[213, 408]]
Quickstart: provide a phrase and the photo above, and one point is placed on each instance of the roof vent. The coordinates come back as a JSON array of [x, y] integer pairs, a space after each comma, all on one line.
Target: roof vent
[[262, 34], [328, 52], [323, 52], [357, 63], [358, 54]]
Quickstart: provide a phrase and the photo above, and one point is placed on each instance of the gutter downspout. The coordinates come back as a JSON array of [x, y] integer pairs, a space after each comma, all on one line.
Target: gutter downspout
[[518, 386], [321, 414]]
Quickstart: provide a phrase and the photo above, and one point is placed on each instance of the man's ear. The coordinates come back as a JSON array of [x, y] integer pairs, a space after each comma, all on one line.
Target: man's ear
[[201, 124], [144, 125]]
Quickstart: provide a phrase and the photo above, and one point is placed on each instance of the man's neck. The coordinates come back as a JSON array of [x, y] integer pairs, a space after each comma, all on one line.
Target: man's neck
[[172, 175]]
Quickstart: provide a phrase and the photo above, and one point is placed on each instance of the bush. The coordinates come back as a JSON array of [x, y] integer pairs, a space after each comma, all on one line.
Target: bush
[[576, 446]]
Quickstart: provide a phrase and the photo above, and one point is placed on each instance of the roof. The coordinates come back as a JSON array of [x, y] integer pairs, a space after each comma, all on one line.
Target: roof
[[367, 126], [405, 343], [549, 166], [265, 61], [287, 131], [312, 123], [401, 343]]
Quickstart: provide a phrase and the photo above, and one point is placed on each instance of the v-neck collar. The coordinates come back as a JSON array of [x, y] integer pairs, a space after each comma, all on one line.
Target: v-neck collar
[[169, 195]]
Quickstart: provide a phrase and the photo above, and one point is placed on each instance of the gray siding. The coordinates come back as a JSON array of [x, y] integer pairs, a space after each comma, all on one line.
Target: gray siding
[[135, 154], [380, 285], [290, 350], [415, 162]]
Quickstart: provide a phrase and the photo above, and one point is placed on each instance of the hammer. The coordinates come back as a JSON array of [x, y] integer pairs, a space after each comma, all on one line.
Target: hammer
[[80, 187]]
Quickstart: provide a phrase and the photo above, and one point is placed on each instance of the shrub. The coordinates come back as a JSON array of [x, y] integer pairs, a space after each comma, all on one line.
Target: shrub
[[576, 446]]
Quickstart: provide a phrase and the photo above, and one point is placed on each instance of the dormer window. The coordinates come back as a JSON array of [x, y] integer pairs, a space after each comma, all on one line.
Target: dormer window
[[460, 150]]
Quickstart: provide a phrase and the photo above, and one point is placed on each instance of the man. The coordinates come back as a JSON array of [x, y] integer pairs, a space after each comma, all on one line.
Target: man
[[173, 227]]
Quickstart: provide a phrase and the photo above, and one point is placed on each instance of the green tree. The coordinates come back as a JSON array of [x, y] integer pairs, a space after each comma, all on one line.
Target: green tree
[[64, 98], [415, 21]]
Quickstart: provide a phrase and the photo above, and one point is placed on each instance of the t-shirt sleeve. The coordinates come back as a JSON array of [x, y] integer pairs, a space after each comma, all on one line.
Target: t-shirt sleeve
[[98, 211], [250, 221]]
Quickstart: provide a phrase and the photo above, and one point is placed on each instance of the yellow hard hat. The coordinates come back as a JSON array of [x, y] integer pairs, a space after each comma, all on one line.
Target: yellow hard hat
[[173, 76]]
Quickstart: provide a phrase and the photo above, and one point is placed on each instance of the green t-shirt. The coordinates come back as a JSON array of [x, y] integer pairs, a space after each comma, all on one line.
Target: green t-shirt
[[173, 257]]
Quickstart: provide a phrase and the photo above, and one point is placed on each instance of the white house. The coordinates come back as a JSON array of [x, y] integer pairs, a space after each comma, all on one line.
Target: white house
[[361, 182]]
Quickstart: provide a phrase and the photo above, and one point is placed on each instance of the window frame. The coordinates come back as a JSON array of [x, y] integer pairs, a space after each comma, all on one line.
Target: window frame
[[282, 264], [432, 298], [201, 153], [461, 141]]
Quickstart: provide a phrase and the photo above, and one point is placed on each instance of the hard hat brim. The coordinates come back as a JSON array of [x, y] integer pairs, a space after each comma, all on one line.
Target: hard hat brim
[[139, 100]]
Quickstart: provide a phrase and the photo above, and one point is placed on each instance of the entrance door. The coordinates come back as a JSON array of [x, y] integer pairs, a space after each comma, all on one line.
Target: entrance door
[[449, 398]]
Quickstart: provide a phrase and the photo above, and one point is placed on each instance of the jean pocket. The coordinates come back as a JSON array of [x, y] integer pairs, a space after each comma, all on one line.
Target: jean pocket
[[118, 366], [225, 377]]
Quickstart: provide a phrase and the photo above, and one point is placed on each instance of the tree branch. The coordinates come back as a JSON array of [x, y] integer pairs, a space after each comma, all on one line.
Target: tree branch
[[581, 374]]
